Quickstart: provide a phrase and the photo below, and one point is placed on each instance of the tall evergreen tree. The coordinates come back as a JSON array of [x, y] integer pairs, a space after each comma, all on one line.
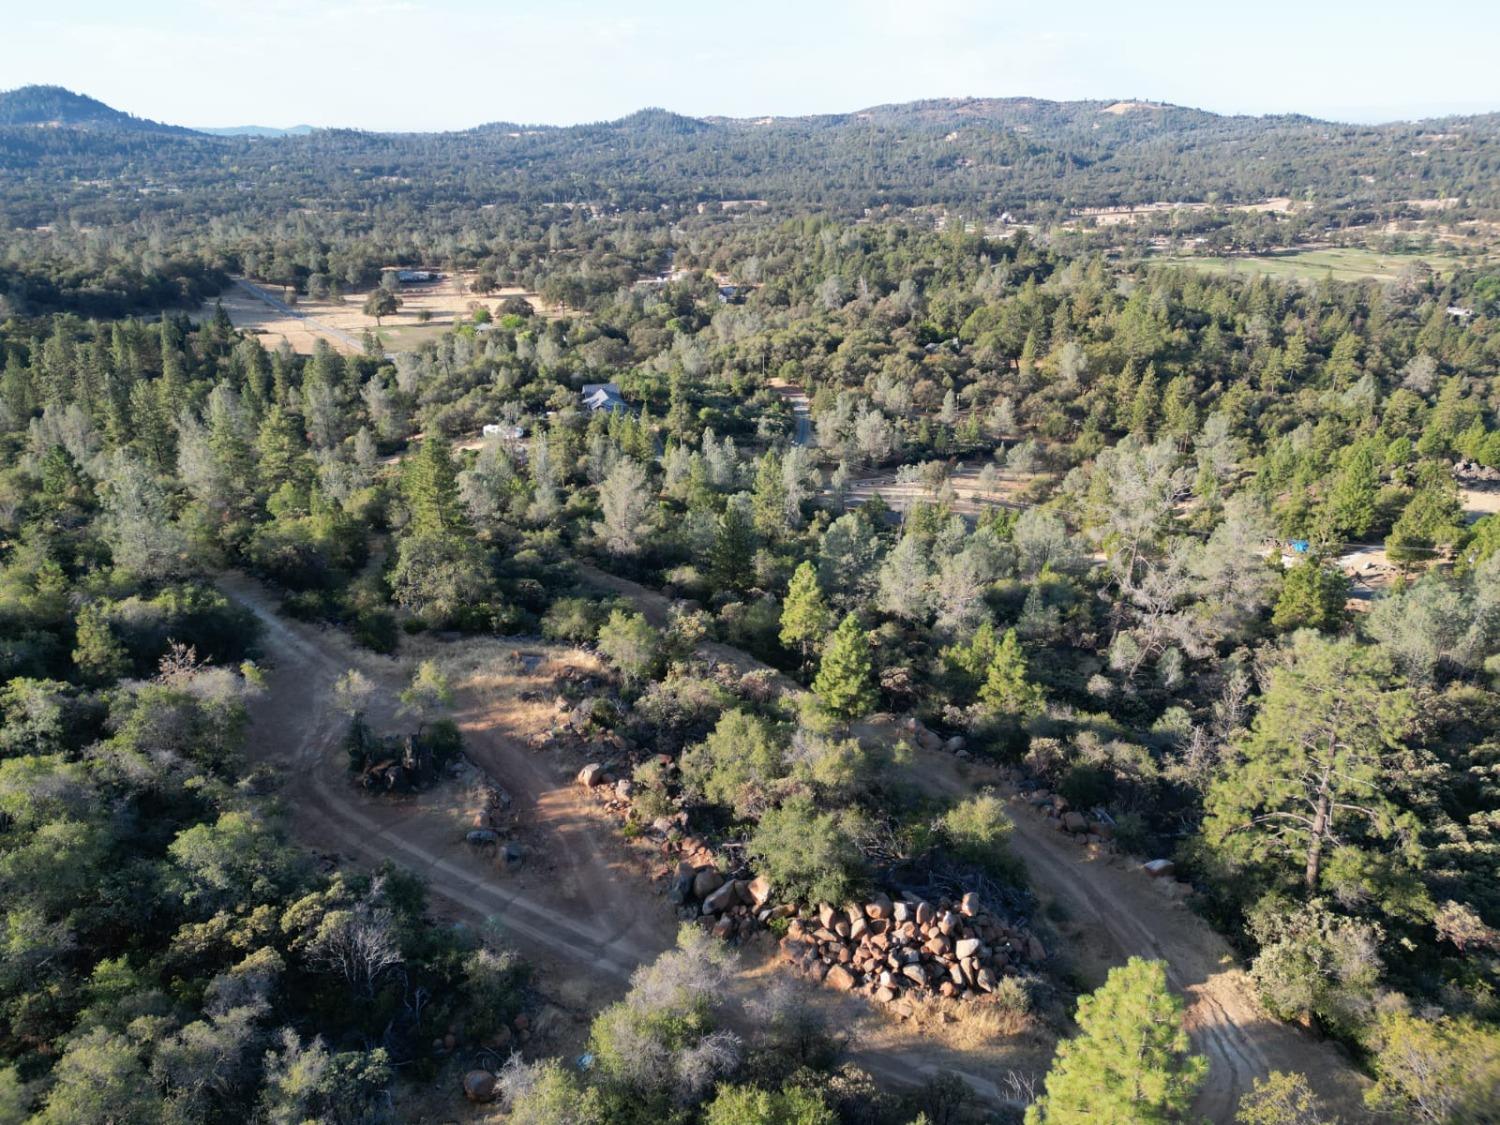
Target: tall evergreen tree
[[844, 680], [1351, 504], [729, 561], [430, 485], [1312, 776], [805, 617], [1007, 691], [1129, 1064]]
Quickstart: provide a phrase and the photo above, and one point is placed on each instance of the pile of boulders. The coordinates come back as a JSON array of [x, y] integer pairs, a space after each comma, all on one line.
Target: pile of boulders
[[732, 907], [614, 791], [1474, 471], [1085, 829], [888, 949], [489, 806], [928, 739]]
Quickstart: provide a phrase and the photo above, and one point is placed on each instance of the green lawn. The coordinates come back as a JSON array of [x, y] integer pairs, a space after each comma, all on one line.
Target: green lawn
[[1341, 263], [408, 337]]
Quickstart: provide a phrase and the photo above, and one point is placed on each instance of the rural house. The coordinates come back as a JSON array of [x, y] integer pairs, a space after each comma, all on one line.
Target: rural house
[[603, 396]]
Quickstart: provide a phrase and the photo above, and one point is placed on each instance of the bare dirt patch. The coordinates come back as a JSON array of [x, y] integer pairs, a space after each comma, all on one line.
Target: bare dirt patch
[[443, 303], [250, 314]]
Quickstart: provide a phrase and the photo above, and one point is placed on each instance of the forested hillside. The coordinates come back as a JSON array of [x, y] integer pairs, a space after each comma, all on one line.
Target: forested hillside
[[1118, 628], [1028, 157], [876, 544]]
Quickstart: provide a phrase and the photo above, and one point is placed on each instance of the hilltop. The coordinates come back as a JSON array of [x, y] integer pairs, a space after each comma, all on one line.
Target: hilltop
[[56, 107]]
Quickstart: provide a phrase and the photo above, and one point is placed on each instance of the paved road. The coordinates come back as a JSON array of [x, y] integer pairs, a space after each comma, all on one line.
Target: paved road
[[796, 398], [312, 322]]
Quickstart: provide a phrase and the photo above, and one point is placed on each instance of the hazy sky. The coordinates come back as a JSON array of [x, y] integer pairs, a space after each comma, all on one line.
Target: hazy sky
[[450, 64]]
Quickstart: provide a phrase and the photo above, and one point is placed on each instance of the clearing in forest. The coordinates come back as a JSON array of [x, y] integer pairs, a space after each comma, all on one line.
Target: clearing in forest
[[443, 304]]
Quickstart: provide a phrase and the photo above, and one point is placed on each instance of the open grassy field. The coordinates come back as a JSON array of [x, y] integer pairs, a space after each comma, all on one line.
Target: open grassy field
[[445, 303], [1342, 263]]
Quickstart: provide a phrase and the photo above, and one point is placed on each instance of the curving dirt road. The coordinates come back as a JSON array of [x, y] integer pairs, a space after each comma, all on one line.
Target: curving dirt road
[[577, 910], [579, 903], [566, 903], [1114, 911]]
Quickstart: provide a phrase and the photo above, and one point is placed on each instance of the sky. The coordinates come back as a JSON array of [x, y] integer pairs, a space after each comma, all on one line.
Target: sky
[[452, 64]]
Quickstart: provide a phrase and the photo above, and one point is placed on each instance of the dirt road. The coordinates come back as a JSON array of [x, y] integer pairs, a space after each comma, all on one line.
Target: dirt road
[[577, 911], [968, 498], [578, 904], [337, 335], [1113, 912], [564, 904]]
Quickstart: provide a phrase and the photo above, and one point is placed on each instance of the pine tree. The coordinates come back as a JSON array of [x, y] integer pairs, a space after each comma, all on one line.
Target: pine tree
[[729, 561], [1143, 407], [768, 501], [1006, 690], [804, 615], [844, 678], [1312, 597], [98, 654], [430, 484], [1127, 383], [279, 448], [1351, 504], [1129, 1063], [1314, 773], [1342, 368], [972, 658], [1028, 353], [1433, 517]]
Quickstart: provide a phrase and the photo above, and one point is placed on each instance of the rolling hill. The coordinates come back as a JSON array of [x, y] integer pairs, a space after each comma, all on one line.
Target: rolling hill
[[55, 107]]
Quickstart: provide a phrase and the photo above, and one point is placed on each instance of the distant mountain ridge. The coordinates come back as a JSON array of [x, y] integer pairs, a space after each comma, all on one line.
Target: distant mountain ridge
[[55, 106], [1026, 157], [259, 131]]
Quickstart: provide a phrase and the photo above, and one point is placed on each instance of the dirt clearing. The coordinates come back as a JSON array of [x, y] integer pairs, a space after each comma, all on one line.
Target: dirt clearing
[[442, 303]]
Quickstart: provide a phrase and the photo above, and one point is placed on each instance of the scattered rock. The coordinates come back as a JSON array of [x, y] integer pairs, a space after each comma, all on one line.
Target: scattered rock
[[591, 775], [706, 882], [720, 901], [1075, 822], [479, 1086], [840, 978]]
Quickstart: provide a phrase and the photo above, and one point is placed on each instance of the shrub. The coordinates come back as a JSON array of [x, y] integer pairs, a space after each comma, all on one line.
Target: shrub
[[377, 631], [1085, 786], [735, 765], [1314, 963], [573, 620], [976, 830], [807, 855]]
